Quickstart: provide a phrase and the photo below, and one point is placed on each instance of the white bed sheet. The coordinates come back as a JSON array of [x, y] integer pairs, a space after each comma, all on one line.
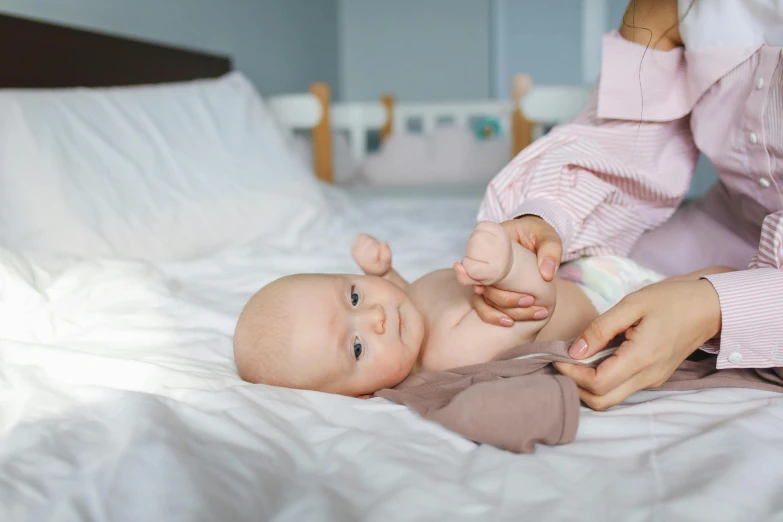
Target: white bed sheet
[[119, 401]]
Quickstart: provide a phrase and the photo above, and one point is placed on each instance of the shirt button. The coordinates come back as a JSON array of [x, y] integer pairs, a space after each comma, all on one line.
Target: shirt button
[[735, 357], [759, 84], [753, 138], [764, 182]]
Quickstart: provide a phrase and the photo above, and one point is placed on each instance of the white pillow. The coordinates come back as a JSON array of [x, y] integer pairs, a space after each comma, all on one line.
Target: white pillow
[[155, 172]]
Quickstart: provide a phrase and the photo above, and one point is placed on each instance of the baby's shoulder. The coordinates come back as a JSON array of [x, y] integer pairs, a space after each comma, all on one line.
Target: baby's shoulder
[[439, 277], [438, 293], [444, 304]]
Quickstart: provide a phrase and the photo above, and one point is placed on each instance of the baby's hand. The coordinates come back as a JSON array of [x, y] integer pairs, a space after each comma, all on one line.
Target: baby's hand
[[372, 256], [488, 256]]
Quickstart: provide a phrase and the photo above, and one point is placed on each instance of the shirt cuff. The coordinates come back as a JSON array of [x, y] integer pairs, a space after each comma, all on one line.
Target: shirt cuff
[[751, 302], [553, 214]]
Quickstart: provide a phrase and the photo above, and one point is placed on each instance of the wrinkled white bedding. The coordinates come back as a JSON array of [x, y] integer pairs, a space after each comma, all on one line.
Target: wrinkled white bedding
[[119, 401]]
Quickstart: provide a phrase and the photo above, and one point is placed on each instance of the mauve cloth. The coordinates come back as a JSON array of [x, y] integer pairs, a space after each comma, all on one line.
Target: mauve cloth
[[514, 404]]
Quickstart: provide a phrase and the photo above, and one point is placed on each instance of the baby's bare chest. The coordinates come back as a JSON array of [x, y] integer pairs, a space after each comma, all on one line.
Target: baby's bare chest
[[445, 304], [441, 299]]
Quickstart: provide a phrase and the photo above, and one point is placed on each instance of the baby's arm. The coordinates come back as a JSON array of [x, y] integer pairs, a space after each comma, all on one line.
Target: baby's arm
[[493, 259], [374, 258]]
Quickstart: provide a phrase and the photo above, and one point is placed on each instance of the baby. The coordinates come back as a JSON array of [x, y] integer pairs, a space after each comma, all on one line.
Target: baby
[[354, 335]]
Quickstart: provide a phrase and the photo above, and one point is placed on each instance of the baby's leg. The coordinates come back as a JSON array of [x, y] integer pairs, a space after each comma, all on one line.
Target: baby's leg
[[608, 279], [525, 277], [574, 312], [492, 258], [590, 286]]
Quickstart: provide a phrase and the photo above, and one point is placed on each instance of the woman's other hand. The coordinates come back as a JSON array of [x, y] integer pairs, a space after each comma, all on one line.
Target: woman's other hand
[[663, 324], [502, 307]]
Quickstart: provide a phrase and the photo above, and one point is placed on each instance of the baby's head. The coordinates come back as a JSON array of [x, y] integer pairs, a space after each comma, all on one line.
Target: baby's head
[[346, 334]]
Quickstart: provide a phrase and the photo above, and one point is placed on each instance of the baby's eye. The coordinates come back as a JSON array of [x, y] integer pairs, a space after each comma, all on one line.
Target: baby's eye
[[354, 296], [358, 349]]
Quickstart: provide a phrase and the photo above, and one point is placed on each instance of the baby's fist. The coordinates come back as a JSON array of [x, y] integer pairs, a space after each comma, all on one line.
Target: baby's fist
[[372, 256], [488, 256]]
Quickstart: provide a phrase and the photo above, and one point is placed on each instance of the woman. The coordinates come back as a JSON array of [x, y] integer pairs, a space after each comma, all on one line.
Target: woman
[[705, 76]]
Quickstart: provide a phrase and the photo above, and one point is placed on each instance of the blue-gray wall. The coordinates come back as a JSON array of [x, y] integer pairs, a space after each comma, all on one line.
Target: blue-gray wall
[[545, 39], [614, 12], [282, 45], [416, 49]]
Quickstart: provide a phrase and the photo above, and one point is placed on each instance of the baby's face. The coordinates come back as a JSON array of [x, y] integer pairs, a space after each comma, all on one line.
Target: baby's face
[[352, 335]]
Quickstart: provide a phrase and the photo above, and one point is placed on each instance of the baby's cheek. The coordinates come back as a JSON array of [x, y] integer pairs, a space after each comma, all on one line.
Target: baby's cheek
[[393, 371], [404, 366]]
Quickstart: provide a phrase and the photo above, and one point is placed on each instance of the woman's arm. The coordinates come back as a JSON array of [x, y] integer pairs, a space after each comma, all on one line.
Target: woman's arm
[[751, 303], [735, 313], [625, 163]]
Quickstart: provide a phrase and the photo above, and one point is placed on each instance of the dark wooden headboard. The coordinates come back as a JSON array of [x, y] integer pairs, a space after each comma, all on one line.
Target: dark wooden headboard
[[41, 54]]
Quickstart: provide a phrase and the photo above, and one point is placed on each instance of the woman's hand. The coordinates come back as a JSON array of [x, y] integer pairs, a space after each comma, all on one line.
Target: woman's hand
[[663, 324], [502, 307]]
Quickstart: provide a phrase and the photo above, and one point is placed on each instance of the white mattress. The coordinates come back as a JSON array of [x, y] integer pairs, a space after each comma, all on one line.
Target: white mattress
[[119, 401]]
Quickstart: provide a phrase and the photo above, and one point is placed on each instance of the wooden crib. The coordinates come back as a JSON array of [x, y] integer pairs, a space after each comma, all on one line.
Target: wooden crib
[[523, 117]]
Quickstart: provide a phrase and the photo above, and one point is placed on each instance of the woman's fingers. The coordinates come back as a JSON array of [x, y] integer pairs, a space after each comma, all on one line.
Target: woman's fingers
[[492, 313], [616, 378], [538, 236], [502, 307], [548, 253], [613, 372], [604, 328], [506, 299], [663, 324], [613, 398]]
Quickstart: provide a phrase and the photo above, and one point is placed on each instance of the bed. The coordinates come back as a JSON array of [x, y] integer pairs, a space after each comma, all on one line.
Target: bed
[[119, 399]]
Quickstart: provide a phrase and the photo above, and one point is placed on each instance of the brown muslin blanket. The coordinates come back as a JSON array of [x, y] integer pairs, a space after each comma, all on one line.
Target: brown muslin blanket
[[514, 403]]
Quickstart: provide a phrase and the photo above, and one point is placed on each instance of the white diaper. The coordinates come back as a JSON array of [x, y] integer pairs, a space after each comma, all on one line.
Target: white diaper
[[607, 279]]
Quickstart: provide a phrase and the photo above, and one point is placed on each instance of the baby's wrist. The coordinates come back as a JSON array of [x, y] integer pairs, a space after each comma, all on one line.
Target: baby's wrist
[[376, 272]]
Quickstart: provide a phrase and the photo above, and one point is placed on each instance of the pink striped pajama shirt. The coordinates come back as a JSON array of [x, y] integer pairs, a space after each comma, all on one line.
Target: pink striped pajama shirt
[[611, 180]]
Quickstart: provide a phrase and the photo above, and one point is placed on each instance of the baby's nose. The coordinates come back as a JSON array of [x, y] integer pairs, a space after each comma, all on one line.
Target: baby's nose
[[377, 318]]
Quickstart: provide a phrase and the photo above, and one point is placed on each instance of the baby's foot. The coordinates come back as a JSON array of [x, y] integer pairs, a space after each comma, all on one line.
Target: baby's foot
[[372, 256], [493, 259], [488, 256]]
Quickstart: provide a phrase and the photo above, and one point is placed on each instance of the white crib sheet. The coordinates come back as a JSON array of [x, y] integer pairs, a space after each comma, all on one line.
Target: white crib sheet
[[119, 401]]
